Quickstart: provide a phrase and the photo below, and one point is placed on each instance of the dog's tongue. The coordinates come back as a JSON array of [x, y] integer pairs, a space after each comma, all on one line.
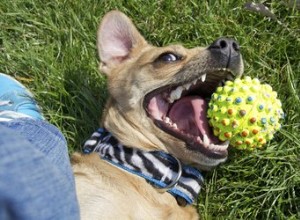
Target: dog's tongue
[[189, 113]]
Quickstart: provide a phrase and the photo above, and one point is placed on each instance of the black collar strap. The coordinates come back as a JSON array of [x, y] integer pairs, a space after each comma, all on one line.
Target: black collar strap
[[159, 168]]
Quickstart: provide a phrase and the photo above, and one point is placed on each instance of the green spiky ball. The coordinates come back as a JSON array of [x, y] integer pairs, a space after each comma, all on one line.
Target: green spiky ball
[[245, 112]]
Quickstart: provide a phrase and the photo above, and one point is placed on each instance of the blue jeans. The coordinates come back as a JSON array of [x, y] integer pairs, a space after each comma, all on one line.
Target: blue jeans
[[36, 180]]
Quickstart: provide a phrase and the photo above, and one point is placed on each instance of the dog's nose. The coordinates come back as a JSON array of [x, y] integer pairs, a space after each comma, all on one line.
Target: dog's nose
[[226, 46]]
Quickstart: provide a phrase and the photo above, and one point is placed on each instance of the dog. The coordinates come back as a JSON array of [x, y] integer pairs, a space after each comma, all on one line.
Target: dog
[[154, 121]]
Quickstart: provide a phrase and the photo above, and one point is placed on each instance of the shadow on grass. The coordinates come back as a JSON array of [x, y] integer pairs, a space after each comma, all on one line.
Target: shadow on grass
[[84, 102]]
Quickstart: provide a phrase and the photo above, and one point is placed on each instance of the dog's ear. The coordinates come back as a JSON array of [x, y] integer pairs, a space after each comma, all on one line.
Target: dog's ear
[[116, 38]]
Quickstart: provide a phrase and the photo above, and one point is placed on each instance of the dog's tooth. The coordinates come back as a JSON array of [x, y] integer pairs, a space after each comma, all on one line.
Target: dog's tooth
[[203, 77], [170, 100], [187, 86], [179, 91], [175, 126], [217, 147], [176, 94], [194, 82], [199, 139], [167, 120], [172, 97], [222, 146], [214, 147], [205, 140]]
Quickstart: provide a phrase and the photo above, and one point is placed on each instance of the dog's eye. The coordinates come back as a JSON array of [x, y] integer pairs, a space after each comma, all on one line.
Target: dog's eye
[[168, 57]]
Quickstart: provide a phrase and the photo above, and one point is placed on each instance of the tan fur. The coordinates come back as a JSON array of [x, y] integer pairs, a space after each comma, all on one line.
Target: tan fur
[[104, 191]]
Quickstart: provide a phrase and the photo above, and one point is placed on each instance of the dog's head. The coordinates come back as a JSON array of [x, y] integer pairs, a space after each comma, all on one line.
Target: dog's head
[[159, 94]]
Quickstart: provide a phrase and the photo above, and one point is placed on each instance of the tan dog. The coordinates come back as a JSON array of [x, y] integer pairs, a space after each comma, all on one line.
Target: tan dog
[[157, 103]]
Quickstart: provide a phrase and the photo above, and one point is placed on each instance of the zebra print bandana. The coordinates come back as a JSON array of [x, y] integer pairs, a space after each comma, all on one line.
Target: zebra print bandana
[[159, 168]]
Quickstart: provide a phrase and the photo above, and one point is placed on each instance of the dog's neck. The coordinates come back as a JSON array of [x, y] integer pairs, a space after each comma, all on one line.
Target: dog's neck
[[160, 169]]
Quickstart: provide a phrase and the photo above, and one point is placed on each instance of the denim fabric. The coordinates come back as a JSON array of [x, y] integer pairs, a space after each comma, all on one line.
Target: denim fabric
[[36, 180]]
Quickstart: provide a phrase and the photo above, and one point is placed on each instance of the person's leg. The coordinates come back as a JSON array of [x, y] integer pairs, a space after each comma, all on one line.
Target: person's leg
[[35, 172], [36, 183]]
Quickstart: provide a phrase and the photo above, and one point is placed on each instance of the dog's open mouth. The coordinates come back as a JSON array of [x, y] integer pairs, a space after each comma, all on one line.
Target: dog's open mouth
[[181, 111]]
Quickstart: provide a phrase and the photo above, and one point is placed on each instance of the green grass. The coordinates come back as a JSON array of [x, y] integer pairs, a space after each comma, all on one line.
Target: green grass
[[50, 47]]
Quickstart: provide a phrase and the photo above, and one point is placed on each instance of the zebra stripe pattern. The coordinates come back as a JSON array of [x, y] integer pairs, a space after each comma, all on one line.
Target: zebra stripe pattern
[[157, 167]]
